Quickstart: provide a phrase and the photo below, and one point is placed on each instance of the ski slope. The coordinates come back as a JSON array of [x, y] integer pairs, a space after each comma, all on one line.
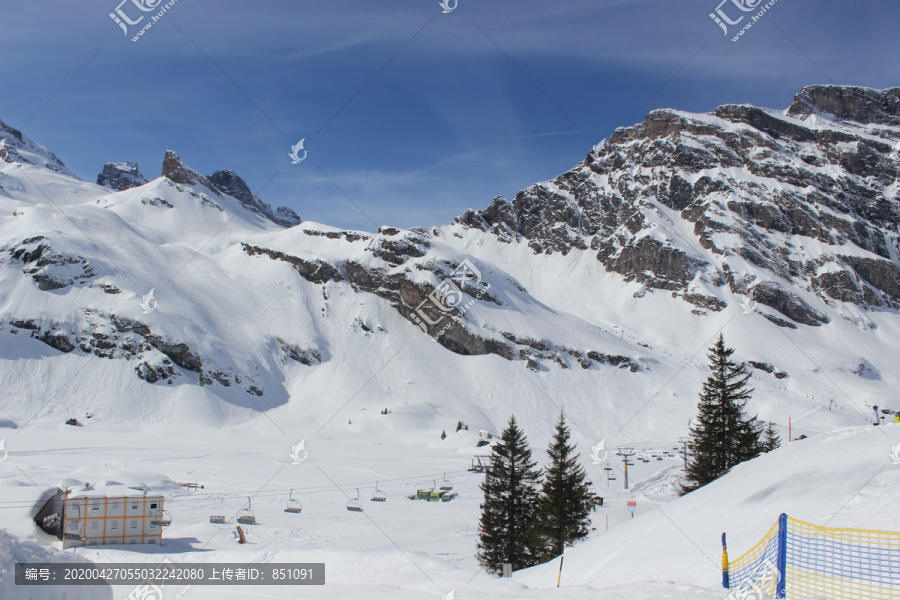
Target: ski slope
[[412, 549], [848, 478]]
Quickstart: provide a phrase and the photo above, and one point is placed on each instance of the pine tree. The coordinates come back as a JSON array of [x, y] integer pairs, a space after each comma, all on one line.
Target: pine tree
[[722, 436], [566, 501], [771, 439], [444, 435], [508, 510]]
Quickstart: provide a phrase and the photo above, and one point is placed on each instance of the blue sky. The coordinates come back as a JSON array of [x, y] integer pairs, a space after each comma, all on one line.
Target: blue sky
[[414, 114]]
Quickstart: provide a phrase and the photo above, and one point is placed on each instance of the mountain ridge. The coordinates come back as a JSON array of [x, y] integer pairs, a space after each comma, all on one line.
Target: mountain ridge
[[686, 163], [595, 283]]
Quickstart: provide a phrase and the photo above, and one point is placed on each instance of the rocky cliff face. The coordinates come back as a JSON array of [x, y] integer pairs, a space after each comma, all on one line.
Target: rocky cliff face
[[16, 148], [796, 210], [229, 184], [121, 176], [760, 200]]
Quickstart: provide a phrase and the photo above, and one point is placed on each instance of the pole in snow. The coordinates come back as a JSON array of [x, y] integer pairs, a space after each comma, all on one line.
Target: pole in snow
[[626, 453], [725, 581]]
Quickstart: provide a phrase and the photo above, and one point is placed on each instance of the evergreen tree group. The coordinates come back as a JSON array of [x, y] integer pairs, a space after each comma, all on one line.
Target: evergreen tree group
[[722, 436], [520, 524]]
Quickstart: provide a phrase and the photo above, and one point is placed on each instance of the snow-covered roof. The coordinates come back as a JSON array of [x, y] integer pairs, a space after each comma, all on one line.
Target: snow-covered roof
[[113, 491]]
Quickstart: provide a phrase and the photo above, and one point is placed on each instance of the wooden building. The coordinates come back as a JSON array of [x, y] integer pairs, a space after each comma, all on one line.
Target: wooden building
[[109, 515]]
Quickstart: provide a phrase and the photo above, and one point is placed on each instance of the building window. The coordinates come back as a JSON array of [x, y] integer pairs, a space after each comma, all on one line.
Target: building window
[[113, 524], [134, 506], [134, 524], [95, 525], [114, 505], [153, 505], [95, 506]]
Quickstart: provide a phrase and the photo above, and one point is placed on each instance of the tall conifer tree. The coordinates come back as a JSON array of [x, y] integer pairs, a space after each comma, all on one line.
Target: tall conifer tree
[[510, 499], [566, 501], [722, 436]]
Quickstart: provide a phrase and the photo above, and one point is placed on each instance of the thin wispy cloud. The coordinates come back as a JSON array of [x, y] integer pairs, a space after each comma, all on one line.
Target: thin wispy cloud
[[234, 85]]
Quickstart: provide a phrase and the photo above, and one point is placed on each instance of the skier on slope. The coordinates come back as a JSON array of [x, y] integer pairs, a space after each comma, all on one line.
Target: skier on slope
[[876, 420]]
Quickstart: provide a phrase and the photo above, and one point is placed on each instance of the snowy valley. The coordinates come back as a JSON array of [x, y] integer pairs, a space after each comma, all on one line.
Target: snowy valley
[[197, 334]]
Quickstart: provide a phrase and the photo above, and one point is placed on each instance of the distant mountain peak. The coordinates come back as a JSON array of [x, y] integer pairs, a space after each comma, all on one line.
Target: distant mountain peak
[[176, 170], [231, 184], [227, 183], [849, 103], [121, 176], [17, 148]]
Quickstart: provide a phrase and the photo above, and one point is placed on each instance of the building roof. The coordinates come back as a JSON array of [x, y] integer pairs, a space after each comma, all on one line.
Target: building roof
[[113, 490]]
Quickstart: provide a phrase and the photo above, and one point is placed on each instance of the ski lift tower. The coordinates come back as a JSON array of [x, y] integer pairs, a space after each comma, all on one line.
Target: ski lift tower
[[626, 453], [684, 451]]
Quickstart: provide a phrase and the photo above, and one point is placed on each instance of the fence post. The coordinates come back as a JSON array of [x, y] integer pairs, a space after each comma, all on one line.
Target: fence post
[[725, 582], [782, 556]]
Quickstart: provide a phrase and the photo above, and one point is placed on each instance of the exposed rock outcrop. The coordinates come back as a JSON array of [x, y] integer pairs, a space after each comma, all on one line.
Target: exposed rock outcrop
[[750, 186], [227, 183], [121, 176]]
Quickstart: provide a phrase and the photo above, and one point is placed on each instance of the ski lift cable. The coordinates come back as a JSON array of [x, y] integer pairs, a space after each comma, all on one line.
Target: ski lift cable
[[319, 489]]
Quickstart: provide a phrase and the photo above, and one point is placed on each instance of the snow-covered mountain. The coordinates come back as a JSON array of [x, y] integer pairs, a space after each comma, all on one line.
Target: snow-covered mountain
[[767, 203], [188, 297]]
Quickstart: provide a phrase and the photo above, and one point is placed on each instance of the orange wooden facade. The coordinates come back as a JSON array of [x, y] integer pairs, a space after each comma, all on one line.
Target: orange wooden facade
[[99, 520]]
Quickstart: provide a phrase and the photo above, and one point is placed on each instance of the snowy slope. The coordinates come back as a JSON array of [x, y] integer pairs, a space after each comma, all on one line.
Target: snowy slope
[[240, 313], [14, 550], [843, 479]]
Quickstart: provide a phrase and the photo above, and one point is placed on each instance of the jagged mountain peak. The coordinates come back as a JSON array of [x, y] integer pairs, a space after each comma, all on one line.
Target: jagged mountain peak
[[15, 147], [121, 176], [849, 103], [176, 170], [228, 183], [796, 210]]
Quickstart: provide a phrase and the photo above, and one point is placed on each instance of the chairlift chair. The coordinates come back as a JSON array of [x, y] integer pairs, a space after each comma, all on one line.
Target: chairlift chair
[[293, 506], [162, 520], [354, 504], [217, 519], [378, 495], [246, 516], [446, 484], [75, 529]]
